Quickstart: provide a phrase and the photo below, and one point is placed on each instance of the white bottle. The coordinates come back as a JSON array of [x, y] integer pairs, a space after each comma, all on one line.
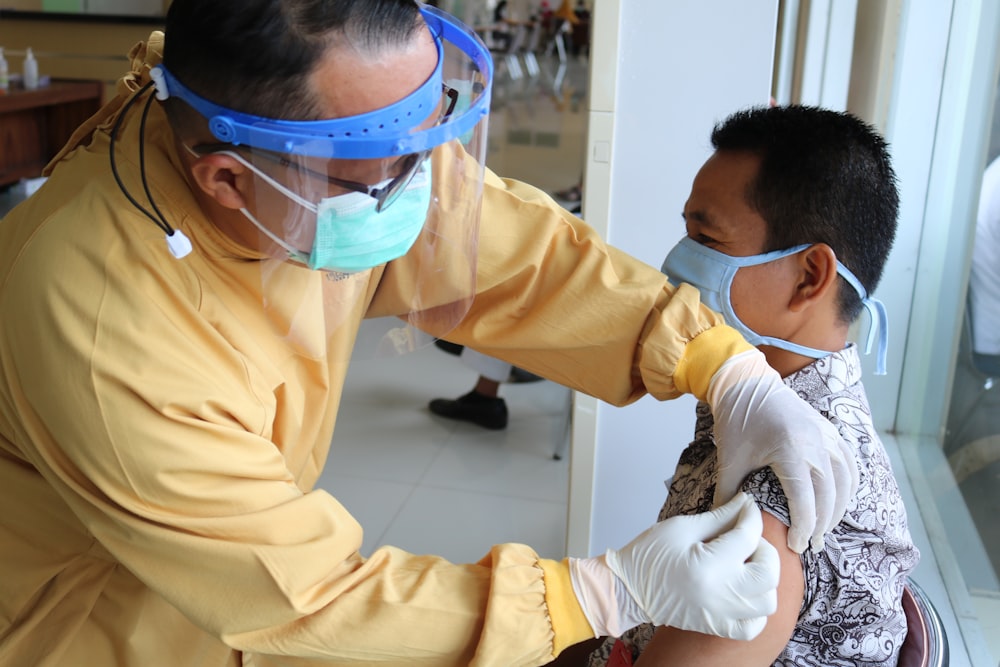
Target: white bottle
[[4, 74], [30, 71]]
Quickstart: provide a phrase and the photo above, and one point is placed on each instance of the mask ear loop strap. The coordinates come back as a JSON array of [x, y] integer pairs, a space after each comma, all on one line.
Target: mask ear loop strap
[[292, 252], [878, 316], [879, 319], [308, 205]]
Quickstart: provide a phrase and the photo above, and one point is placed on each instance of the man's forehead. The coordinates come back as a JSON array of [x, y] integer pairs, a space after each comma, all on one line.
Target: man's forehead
[[718, 208], [702, 216], [350, 81], [723, 182]]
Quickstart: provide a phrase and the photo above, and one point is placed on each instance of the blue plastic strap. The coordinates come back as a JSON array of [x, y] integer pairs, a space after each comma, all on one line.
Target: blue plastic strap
[[387, 132], [878, 316]]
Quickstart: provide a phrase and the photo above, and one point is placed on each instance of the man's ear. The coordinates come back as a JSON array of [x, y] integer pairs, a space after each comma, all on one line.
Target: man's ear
[[817, 266], [223, 178]]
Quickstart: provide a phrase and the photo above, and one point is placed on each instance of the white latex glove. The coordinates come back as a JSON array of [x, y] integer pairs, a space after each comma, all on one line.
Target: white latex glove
[[760, 422], [711, 573]]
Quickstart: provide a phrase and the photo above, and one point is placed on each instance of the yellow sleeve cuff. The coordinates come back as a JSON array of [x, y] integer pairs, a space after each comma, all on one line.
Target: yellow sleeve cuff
[[569, 625], [704, 355]]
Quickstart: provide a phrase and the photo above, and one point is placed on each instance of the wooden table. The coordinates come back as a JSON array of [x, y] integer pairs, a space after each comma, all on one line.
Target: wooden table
[[35, 124]]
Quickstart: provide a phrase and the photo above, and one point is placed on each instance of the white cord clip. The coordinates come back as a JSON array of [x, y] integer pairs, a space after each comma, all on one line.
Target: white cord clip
[[156, 74], [178, 244]]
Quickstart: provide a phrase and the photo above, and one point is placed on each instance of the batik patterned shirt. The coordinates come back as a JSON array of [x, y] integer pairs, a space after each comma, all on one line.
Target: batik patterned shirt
[[851, 611]]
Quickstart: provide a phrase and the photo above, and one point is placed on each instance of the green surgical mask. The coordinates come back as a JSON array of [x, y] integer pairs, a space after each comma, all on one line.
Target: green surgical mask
[[351, 236]]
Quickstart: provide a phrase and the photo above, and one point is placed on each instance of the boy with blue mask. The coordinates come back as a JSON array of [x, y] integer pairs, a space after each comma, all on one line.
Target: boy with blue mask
[[789, 224]]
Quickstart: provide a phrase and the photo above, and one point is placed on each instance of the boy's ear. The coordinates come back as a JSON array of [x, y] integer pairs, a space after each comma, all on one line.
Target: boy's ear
[[817, 276], [222, 178]]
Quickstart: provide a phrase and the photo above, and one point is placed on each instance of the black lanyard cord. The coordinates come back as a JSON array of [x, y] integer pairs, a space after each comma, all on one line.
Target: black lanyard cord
[[142, 167], [159, 222], [177, 242]]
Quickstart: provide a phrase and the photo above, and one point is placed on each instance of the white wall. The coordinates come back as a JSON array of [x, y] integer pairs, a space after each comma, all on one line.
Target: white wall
[[680, 68]]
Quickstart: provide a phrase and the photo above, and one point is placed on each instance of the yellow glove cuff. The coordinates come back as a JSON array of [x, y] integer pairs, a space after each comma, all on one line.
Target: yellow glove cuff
[[704, 356], [569, 625]]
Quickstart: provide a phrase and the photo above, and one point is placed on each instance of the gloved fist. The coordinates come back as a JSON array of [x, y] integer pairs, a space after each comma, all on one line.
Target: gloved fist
[[711, 573], [760, 422]]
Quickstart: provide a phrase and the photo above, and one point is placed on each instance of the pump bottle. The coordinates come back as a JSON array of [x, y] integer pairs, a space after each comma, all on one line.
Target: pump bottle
[[30, 71], [4, 74]]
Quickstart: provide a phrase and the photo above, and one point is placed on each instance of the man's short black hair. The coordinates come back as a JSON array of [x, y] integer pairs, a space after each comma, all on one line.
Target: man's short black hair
[[824, 177], [255, 56]]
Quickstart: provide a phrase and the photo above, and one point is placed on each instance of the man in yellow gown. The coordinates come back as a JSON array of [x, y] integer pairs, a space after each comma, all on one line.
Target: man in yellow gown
[[168, 398]]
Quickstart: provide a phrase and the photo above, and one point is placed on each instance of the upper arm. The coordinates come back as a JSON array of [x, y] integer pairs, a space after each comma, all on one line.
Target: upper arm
[[671, 646]]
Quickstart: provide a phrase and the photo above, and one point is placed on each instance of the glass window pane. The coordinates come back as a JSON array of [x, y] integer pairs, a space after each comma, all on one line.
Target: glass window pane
[[968, 497]]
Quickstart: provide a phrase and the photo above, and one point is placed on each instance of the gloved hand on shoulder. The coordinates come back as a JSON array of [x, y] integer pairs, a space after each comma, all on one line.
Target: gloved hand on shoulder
[[760, 422], [711, 573]]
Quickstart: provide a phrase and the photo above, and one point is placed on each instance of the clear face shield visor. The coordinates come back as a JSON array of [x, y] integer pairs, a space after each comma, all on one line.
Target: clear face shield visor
[[396, 189]]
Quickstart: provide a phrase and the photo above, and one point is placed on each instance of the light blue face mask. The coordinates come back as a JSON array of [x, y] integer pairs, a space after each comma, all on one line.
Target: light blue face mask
[[712, 272], [351, 236]]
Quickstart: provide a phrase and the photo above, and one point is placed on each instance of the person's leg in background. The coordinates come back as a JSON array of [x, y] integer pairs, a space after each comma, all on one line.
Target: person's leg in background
[[572, 197], [481, 406]]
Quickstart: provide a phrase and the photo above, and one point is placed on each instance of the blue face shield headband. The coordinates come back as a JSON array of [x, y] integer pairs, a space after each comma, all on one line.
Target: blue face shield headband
[[388, 132], [712, 272]]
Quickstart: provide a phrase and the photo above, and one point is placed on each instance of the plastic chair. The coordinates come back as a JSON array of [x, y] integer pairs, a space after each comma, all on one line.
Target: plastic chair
[[511, 62], [531, 46], [926, 643]]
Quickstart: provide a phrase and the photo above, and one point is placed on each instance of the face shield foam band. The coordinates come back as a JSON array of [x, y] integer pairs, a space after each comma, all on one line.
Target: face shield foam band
[[387, 132], [692, 259]]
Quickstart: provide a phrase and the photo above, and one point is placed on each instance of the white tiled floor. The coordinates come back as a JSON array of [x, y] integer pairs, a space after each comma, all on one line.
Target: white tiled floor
[[430, 485]]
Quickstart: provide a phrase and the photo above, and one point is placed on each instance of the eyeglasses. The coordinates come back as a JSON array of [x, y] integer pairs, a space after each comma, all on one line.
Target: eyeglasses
[[384, 195]]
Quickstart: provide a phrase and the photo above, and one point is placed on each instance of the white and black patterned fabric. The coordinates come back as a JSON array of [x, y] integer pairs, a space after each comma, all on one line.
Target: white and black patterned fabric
[[851, 611]]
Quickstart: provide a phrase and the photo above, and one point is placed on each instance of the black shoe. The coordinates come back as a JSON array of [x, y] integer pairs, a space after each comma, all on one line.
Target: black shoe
[[450, 348], [521, 376], [481, 410]]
